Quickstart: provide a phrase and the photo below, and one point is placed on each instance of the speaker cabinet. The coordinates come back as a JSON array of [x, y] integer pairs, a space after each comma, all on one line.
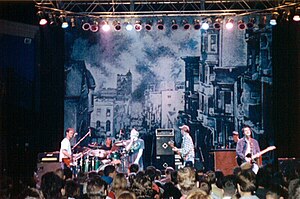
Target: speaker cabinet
[[225, 161], [163, 136], [164, 161]]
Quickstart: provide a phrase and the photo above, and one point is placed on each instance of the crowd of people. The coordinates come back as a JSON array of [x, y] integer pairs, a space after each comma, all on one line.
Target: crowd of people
[[247, 181], [184, 183]]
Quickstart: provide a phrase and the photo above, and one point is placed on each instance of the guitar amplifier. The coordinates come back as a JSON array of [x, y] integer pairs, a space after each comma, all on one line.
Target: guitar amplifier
[[48, 157], [163, 136]]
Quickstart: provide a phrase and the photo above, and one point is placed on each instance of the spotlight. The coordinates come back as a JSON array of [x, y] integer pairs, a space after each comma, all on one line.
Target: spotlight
[[64, 23], [250, 23], [160, 24], [229, 24], [174, 25], [117, 25], [86, 26], [197, 25], [262, 22], [104, 26], [217, 24], [138, 26], [297, 14], [186, 24], [241, 25], [128, 26], [148, 25], [43, 21], [73, 22], [273, 20], [95, 27]]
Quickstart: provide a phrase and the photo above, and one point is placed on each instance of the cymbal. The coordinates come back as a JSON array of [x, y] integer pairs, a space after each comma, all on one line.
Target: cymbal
[[94, 145], [120, 143]]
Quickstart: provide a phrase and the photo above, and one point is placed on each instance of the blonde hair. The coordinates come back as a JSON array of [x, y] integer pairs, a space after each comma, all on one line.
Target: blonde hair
[[119, 183], [198, 194], [186, 178]]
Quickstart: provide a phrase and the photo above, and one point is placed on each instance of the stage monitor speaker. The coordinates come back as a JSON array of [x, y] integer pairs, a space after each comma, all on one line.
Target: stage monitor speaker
[[164, 161], [163, 136]]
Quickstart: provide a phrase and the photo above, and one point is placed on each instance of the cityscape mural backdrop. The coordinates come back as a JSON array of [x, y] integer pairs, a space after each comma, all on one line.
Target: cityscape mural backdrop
[[215, 81]]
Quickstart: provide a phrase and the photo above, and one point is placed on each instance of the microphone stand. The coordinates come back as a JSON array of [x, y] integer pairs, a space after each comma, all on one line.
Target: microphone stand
[[88, 133]]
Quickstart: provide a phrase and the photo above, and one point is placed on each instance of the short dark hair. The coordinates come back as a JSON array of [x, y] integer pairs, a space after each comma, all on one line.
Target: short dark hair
[[247, 181], [133, 168], [109, 169]]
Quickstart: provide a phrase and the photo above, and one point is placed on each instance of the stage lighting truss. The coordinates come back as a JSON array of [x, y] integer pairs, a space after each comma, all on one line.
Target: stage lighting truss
[[63, 20], [138, 26], [104, 26], [273, 20], [128, 26], [205, 24], [218, 23], [85, 26]]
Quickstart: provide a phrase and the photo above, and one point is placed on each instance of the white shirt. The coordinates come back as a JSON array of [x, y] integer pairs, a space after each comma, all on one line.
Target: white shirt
[[64, 145]]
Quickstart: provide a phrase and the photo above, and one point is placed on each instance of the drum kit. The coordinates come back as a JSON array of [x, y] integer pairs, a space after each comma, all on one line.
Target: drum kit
[[94, 158]]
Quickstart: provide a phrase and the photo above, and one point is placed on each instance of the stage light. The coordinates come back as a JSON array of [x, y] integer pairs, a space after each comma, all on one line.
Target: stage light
[[148, 25], [229, 24], [262, 21], [250, 23], [86, 26], [95, 26], [273, 20], [286, 15], [73, 22], [128, 26], [241, 25], [41, 15], [217, 24], [138, 26], [64, 23], [174, 25], [104, 26], [297, 14], [160, 24], [117, 25], [197, 25], [52, 19], [186, 24]]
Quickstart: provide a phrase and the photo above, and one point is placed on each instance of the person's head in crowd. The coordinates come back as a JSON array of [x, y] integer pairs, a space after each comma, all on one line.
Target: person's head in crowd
[[51, 186], [236, 170], [174, 175], [119, 183], [151, 172], [186, 179], [229, 186], [198, 194], [168, 171], [72, 189], [211, 175], [133, 168], [142, 187], [60, 173], [30, 193], [126, 195], [273, 195], [235, 136], [294, 189], [96, 188], [205, 186], [219, 177], [110, 170], [157, 174], [246, 182]]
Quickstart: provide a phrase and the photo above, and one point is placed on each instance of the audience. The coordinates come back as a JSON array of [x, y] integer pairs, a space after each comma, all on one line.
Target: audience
[[183, 183]]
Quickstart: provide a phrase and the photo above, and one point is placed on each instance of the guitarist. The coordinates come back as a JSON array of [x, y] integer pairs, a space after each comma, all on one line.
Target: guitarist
[[246, 148], [65, 154], [186, 151]]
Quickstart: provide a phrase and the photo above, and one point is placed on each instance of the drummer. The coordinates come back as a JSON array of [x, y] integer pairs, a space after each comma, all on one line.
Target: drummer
[[107, 145]]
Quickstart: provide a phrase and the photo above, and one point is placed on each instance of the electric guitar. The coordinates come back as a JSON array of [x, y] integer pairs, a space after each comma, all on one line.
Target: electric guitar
[[72, 162], [251, 158], [172, 145]]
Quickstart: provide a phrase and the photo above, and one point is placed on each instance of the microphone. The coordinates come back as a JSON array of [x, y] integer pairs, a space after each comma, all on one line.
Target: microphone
[[90, 132], [75, 134]]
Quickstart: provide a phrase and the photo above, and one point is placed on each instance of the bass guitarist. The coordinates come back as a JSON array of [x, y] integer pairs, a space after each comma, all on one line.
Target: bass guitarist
[[65, 153], [186, 151]]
